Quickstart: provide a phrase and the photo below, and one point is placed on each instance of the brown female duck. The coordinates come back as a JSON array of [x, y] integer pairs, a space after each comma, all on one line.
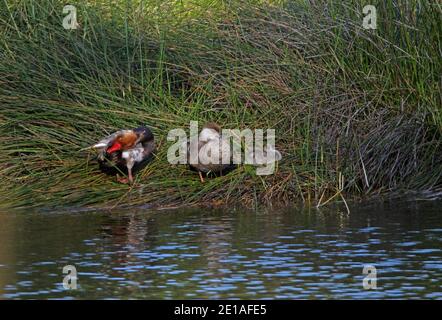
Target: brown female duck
[[212, 150]]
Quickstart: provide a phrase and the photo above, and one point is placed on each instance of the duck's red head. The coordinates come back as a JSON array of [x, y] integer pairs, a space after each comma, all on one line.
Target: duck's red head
[[123, 142]]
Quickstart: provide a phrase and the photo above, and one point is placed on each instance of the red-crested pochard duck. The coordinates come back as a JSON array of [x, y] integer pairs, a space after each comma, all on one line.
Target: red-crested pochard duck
[[125, 152]]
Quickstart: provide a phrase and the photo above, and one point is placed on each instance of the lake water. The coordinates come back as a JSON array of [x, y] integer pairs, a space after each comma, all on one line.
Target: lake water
[[198, 253]]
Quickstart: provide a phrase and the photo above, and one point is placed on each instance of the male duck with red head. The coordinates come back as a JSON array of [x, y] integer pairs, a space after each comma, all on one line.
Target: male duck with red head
[[125, 151]]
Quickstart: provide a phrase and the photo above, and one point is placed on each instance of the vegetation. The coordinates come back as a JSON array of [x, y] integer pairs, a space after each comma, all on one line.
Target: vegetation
[[357, 112]]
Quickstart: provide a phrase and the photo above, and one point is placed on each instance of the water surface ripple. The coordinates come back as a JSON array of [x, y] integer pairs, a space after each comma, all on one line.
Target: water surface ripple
[[195, 253]]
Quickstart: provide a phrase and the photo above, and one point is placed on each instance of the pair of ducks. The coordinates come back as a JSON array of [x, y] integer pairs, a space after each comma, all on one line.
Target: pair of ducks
[[128, 151]]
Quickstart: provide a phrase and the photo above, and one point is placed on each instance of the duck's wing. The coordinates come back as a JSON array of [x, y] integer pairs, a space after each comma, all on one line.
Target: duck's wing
[[139, 152], [102, 145], [200, 145], [136, 154], [215, 155], [107, 141]]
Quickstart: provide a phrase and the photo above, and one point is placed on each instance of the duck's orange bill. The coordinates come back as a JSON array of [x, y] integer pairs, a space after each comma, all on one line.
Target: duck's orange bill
[[115, 147]]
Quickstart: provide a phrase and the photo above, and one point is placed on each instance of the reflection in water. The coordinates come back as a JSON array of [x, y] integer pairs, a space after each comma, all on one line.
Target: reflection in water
[[131, 233], [7, 248], [194, 253], [216, 237]]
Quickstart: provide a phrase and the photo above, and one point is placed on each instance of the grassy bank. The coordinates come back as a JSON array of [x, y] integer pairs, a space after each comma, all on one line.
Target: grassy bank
[[357, 112]]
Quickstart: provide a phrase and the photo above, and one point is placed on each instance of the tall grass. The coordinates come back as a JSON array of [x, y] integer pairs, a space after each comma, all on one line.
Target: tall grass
[[357, 112]]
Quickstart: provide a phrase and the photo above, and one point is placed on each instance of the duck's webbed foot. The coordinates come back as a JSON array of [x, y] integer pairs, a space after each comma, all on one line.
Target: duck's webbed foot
[[122, 179]]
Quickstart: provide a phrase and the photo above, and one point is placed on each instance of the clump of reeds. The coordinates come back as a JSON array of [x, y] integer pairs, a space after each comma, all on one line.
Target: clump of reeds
[[357, 111]]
